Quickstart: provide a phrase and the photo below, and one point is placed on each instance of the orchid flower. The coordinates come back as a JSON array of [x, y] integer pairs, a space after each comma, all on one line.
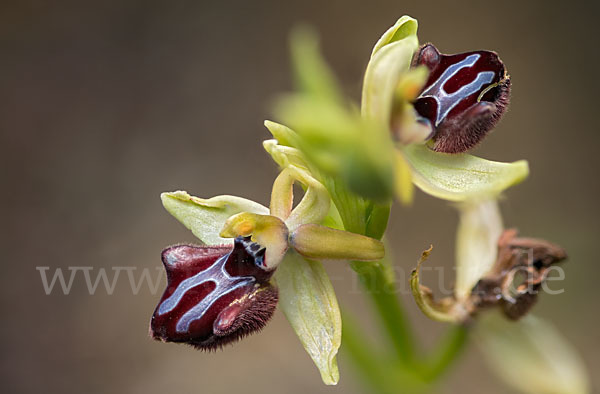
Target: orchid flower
[[419, 111], [252, 257]]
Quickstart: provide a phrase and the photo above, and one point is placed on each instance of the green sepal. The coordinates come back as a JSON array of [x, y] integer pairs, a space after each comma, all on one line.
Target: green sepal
[[308, 301], [384, 72], [461, 177], [206, 217]]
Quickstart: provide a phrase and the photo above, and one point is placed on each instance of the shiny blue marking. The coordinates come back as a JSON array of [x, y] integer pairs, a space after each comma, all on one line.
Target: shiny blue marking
[[446, 102], [217, 274]]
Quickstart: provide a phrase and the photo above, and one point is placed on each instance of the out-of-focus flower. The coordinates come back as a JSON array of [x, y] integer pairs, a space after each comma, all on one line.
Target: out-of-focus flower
[[382, 150], [532, 356], [217, 293]]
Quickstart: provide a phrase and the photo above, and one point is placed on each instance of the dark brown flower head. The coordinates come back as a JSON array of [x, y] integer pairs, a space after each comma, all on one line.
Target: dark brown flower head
[[512, 284], [515, 279], [215, 294], [463, 98]]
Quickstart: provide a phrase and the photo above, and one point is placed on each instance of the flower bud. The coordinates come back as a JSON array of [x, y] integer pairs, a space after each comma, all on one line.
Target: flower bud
[[463, 98], [215, 295]]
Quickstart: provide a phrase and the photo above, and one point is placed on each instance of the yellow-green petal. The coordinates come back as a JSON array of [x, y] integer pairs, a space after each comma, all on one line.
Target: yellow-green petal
[[205, 217], [308, 301], [461, 177], [320, 242], [532, 356], [314, 206]]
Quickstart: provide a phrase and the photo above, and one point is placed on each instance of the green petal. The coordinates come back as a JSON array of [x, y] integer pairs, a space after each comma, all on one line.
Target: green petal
[[206, 217], [384, 71], [477, 238], [313, 207], [460, 177], [532, 356], [307, 299], [404, 27]]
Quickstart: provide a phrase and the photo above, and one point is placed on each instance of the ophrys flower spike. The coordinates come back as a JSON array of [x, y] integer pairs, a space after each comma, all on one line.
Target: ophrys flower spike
[[420, 111]]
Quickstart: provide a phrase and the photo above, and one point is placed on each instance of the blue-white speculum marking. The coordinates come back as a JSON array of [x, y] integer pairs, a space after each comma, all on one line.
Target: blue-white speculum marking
[[447, 101], [464, 97]]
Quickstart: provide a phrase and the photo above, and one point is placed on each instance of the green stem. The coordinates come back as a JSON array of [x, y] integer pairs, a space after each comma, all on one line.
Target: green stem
[[365, 359], [382, 292], [446, 352], [384, 375]]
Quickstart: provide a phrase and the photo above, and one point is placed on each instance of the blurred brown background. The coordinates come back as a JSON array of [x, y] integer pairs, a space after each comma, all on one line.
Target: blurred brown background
[[106, 104]]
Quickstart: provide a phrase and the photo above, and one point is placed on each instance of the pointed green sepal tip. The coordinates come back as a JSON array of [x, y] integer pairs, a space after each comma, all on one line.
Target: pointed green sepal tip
[[389, 64], [461, 177], [404, 27]]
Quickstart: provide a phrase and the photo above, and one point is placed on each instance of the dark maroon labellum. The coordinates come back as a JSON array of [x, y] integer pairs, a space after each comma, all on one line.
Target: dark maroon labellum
[[215, 294], [464, 97]]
